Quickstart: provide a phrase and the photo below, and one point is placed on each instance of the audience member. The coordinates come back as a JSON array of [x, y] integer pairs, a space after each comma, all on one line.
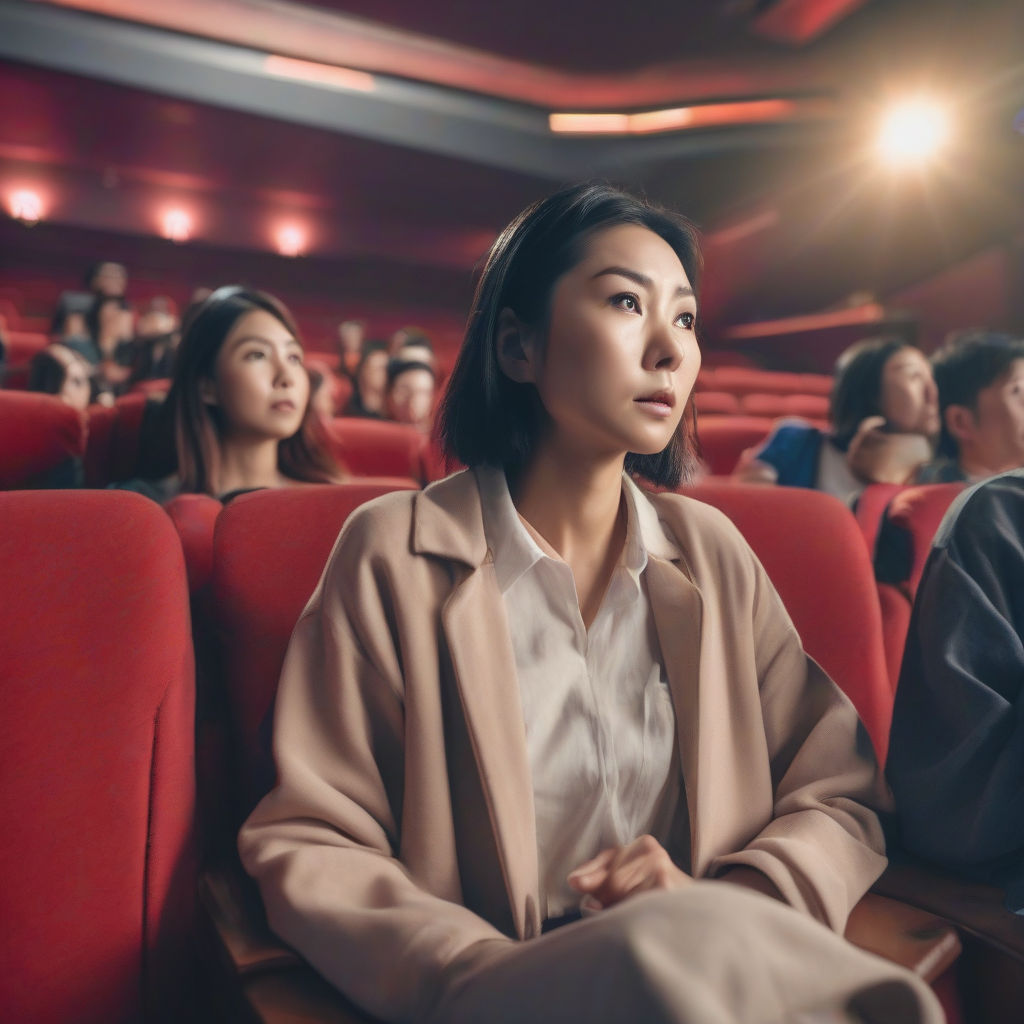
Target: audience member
[[238, 415], [411, 394], [487, 729], [369, 394], [107, 279], [410, 335], [418, 350], [110, 323], [320, 396], [956, 753], [981, 396], [885, 419], [351, 337], [153, 348], [58, 370], [68, 326]]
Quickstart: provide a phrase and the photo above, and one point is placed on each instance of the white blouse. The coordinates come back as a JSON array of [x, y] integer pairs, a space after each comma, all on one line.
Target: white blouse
[[600, 726]]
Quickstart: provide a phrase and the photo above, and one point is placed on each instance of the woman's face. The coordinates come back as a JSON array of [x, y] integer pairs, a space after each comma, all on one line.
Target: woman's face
[[373, 377], [621, 354], [411, 399], [910, 399], [260, 383]]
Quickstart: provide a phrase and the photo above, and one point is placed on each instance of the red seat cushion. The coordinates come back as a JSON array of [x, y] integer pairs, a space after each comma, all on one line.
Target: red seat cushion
[[724, 438], [919, 511], [96, 744], [270, 548], [812, 550], [811, 406], [37, 433], [377, 448], [871, 506], [720, 402], [195, 517]]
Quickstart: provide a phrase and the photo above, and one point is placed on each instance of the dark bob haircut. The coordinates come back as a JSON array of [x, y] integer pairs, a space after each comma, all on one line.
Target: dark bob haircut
[[857, 387], [485, 417]]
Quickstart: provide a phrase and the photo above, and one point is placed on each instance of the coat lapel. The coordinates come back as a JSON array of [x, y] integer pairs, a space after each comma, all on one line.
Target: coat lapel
[[476, 629], [679, 618]]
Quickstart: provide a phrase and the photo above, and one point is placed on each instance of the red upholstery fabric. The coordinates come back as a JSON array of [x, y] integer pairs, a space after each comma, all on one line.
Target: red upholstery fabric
[[896, 610], [744, 381], [813, 406], [720, 402], [97, 449], [809, 545], [157, 386], [37, 433], [377, 448], [339, 385], [23, 345], [871, 506], [112, 453], [96, 741], [195, 517], [270, 548], [919, 510], [724, 438]]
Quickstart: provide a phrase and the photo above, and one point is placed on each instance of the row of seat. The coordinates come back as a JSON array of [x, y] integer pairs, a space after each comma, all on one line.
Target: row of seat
[[725, 403]]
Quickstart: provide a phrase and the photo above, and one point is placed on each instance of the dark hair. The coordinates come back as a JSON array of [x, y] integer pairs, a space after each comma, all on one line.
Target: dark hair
[[485, 417], [857, 387], [968, 363], [369, 348], [46, 373], [95, 268], [67, 304], [92, 318], [396, 367], [415, 338], [189, 427]]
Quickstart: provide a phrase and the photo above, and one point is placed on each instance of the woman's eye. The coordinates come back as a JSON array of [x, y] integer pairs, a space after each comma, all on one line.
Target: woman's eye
[[254, 354], [686, 320], [627, 302], [296, 358]]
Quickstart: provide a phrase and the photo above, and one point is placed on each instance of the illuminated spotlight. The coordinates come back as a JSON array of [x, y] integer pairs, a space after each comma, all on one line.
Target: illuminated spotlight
[[176, 225], [26, 206], [913, 132], [291, 240]]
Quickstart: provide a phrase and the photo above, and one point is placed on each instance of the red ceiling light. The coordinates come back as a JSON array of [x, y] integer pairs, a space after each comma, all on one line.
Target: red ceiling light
[[706, 115], [176, 225], [26, 206], [290, 240], [319, 74], [800, 21]]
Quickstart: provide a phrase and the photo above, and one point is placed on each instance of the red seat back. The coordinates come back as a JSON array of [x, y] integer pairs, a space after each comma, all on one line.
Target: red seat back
[[809, 545], [724, 438], [377, 448], [270, 548], [740, 380], [721, 403], [810, 406], [96, 754], [37, 433], [870, 511], [115, 437], [195, 517], [919, 511]]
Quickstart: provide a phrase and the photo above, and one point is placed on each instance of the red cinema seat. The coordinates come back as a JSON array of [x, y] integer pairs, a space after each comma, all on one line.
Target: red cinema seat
[[97, 867], [723, 439], [721, 403], [871, 508], [23, 345], [270, 548], [809, 545], [195, 517], [740, 380], [377, 448], [813, 407], [919, 511], [37, 434], [115, 436]]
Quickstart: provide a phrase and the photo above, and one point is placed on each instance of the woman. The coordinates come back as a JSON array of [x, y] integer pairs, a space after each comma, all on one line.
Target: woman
[[885, 422], [369, 396], [535, 698], [238, 416]]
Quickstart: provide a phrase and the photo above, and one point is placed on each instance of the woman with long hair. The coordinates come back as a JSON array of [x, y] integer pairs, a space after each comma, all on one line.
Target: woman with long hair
[[238, 415], [548, 746]]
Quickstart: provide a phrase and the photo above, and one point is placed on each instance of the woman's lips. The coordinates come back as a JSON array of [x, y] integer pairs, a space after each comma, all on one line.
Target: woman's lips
[[286, 405], [660, 404]]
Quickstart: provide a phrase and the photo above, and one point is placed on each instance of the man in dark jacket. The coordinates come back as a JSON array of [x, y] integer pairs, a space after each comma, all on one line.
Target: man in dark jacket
[[956, 754]]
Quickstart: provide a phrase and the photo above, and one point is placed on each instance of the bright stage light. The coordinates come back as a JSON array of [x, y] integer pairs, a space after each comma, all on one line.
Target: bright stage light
[[26, 206], [176, 225], [912, 132], [290, 240]]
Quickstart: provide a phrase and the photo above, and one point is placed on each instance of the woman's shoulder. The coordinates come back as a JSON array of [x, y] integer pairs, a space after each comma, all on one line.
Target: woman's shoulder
[[699, 528]]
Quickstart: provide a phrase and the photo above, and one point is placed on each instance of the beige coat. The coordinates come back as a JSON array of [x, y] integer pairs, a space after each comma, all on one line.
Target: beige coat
[[401, 830]]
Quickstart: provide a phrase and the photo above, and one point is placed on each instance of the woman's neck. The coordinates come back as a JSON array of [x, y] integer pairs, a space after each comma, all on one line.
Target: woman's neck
[[247, 463], [575, 502]]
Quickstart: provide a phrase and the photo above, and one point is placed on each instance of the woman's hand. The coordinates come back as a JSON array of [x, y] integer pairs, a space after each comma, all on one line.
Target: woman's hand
[[623, 871], [751, 470], [883, 458]]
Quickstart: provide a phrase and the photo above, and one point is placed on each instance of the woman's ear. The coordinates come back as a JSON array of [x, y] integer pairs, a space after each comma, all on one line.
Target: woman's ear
[[207, 391], [517, 349]]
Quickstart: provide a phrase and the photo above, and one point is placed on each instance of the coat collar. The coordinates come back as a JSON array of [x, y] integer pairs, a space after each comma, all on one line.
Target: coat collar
[[448, 523]]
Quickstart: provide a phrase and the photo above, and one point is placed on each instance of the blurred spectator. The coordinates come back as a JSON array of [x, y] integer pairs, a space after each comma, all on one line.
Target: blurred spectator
[[418, 349], [107, 279], [58, 370], [410, 335], [981, 396], [369, 396], [351, 337], [238, 416], [885, 420], [411, 394], [153, 348], [69, 327], [320, 396], [111, 325]]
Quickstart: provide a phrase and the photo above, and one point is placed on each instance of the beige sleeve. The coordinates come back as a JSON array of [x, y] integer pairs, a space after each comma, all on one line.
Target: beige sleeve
[[322, 845], [824, 846]]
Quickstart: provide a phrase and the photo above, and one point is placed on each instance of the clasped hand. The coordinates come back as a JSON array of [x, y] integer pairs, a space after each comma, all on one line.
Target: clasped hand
[[623, 871]]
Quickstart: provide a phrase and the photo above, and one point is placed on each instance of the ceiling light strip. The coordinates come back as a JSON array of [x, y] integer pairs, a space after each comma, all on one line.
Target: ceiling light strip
[[320, 74], [707, 115]]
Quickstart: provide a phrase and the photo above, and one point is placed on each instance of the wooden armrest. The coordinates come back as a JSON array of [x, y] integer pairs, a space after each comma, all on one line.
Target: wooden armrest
[[249, 944], [904, 935], [972, 906]]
